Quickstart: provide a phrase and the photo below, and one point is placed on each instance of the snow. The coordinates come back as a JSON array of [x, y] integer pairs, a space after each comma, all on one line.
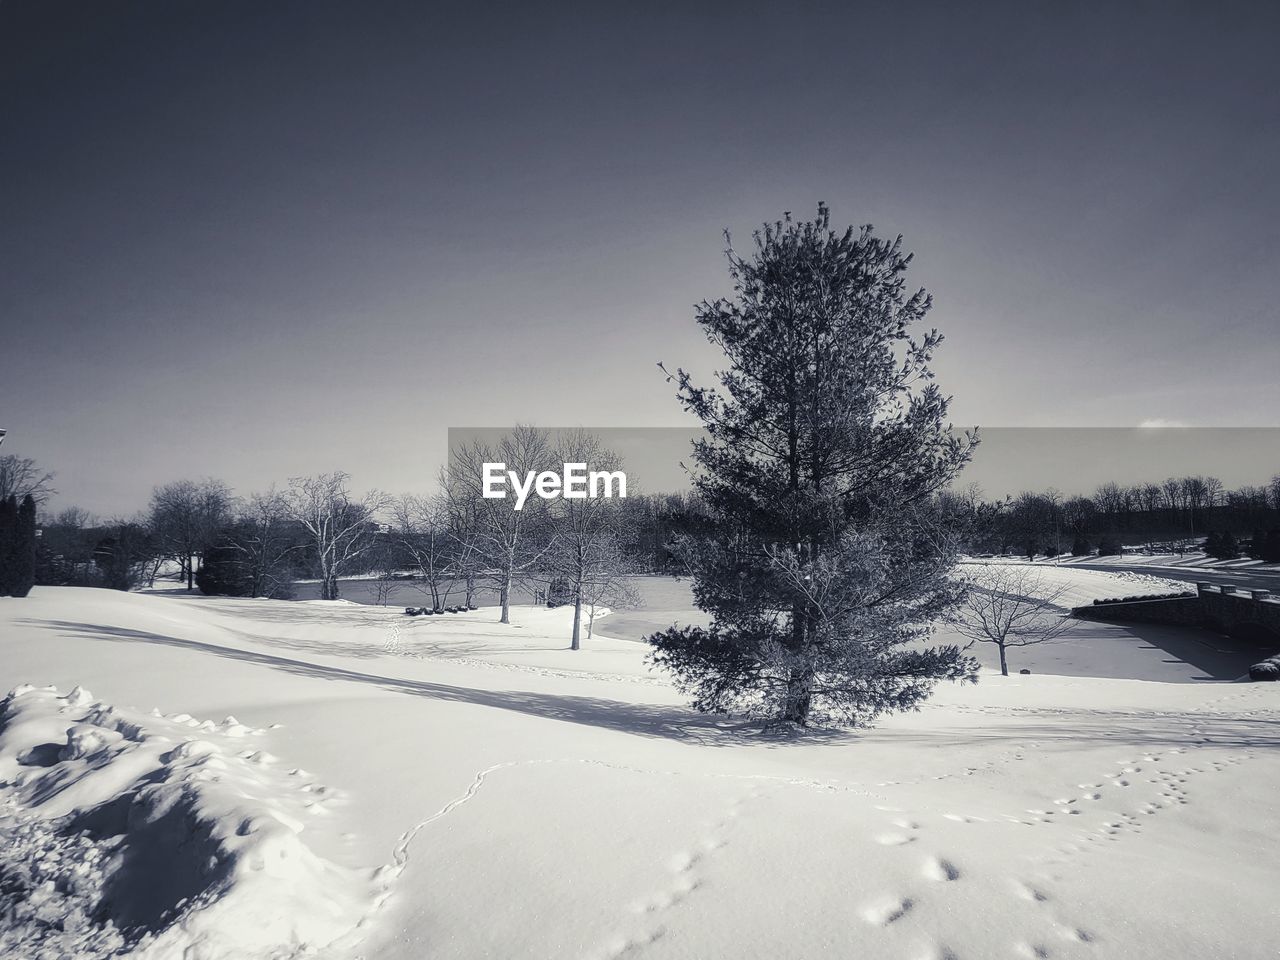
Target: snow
[[1080, 588], [1188, 563], [478, 790], [167, 825]]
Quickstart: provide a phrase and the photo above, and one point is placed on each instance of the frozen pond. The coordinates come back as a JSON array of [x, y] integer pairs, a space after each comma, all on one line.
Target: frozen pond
[[666, 601]]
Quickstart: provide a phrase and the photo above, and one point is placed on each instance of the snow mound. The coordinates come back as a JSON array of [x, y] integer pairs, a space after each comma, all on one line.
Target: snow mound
[[1074, 587], [150, 837]]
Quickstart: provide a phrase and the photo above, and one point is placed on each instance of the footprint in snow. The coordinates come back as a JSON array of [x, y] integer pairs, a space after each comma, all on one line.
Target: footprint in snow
[[894, 839], [940, 870], [1028, 892], [886, 910]]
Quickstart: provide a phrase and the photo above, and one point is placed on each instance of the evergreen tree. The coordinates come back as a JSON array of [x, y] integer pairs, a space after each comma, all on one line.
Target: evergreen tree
[[1213, 544], [1110, 546], [825, 561], [1228, 547], [23, 563], [1258, 543], [223, 573], [1080, 547], [8, 533], [1271, 547]]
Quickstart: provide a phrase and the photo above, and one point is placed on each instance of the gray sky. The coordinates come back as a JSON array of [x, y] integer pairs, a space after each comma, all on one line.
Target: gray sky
[[255, 240]]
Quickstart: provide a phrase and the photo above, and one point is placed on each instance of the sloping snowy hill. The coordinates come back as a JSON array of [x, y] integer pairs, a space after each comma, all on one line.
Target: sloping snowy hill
[[488, 793]]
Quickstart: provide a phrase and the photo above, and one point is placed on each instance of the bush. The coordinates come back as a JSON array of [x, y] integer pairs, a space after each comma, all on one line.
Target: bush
[[1179, 595], [1266, 670], [1222, 546], [1080, 548], [1266, 546], [223, 574], [123, 556], [559, 592], [1110, 546]]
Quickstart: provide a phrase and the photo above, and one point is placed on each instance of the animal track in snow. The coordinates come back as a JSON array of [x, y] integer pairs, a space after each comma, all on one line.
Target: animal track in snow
[[894, 839], [1036, 951], [940, 870], [886, 910], [1027, 892], [681, 866]]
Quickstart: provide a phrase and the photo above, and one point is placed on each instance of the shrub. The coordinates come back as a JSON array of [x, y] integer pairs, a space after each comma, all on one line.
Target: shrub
[[1080, 547], [1179, 595], [1110, 546], [1266, 670], [222, 574], [1222, 546], [1271, 547]]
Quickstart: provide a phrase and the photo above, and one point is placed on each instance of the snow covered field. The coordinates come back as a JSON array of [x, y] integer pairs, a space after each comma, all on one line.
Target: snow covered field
[[1078, 588], [452, 787]]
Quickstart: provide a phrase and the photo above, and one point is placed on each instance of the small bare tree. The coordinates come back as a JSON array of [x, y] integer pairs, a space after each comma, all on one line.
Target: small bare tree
[[20, 476], [422, 532], [510, 544], [341, 529], [1011, 606], [589, 536]]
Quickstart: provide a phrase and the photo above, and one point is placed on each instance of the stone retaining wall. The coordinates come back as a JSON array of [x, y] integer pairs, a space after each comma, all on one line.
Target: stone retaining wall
[[1250, 614]]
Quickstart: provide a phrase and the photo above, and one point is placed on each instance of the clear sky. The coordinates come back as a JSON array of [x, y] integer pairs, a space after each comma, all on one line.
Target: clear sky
[[256, 240]]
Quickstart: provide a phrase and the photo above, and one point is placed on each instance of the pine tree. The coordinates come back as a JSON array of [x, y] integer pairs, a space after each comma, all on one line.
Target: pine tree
[[826, 561], [8, 534], [1080, 547], [1213, 544], [23, 569], [1110, 546], [1257, 543], [1228, 547]]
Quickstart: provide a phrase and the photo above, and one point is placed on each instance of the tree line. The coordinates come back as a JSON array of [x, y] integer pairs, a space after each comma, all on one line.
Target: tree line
[[452, 545], [1178, 515]]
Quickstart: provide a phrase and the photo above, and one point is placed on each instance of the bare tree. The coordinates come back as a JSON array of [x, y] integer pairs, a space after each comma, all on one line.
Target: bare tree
[[462, 518], [268, 542], [185, 518], [126, 555], [387, 584], [74, 518], [422, 530], [510, 543], [1011, 606], [589, 536], [20, 476], [341, 529]]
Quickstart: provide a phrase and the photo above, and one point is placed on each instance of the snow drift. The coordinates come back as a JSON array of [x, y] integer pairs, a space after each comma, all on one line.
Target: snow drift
[[157, 837]]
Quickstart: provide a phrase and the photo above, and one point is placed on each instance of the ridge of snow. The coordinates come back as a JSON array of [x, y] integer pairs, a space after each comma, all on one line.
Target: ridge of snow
[[160, 837]]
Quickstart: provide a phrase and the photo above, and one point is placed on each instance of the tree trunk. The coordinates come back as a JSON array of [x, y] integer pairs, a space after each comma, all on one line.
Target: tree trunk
[[506, 598], [799, 696], [191, 574], [1004, 664], [577, 620]]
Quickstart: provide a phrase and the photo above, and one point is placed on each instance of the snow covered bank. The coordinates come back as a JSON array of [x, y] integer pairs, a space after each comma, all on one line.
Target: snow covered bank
[[157, 837], [1075, 587]]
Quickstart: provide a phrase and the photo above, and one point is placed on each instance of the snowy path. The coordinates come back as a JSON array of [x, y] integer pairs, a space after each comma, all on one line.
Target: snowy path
[[528, 802]]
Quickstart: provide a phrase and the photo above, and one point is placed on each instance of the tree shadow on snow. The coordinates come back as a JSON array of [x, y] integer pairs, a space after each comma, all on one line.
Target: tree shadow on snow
[[647, 720]]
